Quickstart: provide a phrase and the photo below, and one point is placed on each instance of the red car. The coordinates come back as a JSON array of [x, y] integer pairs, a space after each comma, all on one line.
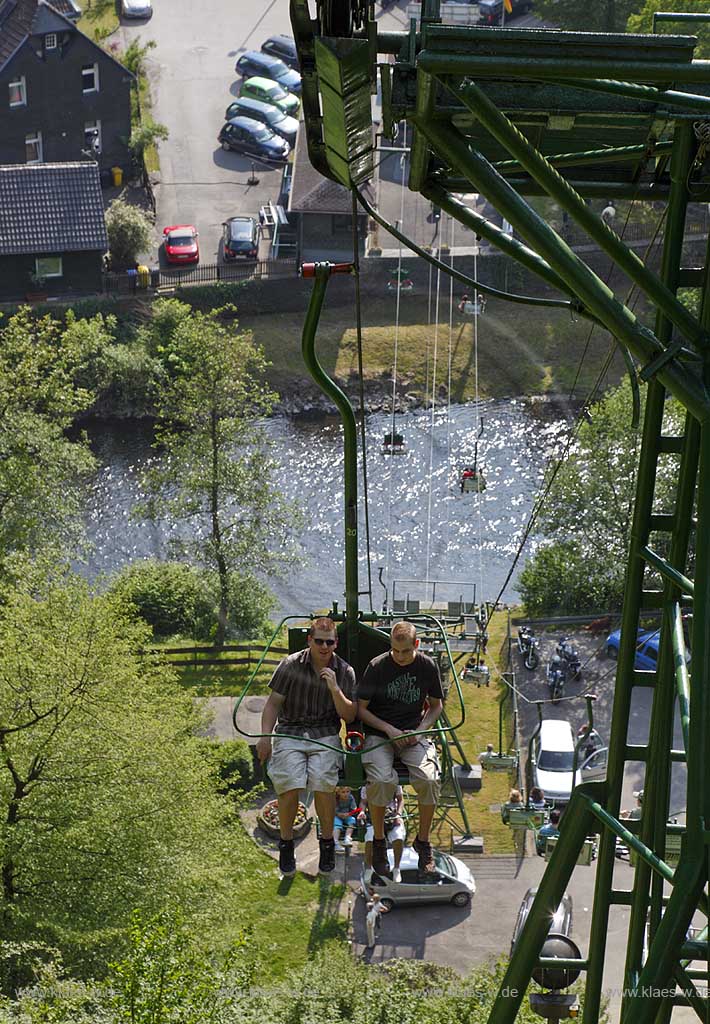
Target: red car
[[181, 244]]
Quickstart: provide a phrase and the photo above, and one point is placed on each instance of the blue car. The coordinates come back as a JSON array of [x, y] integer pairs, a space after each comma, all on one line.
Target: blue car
[[253, 64], [254, 139], [646, 647]]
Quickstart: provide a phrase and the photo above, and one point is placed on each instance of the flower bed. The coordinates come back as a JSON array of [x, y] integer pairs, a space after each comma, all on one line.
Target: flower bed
[[268, 819]]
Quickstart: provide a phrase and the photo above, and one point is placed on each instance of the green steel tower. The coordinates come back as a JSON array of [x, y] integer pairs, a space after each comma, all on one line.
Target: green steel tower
[[513, 113]]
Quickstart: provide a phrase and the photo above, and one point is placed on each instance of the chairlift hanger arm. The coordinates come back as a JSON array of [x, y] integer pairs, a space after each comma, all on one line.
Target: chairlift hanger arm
[[529, 300]]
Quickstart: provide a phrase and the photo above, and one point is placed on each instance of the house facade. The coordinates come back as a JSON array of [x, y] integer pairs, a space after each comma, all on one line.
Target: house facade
[[52, 230], [62, 98]]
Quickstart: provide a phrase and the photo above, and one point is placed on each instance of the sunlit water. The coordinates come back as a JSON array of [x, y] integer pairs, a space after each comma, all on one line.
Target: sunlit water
[[421, 526]]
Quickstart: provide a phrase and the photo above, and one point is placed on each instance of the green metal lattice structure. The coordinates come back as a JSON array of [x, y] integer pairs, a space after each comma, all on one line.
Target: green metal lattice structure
[[516, 113]]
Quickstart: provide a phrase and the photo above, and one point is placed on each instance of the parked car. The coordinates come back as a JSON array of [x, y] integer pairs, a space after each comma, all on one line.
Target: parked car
[[266, 113], [282, 47], [553, 759], [253, 63], [136, 8], [240, 238], [267, 91], [247, 136], [646, 647], [452, 882], [491, 11], [561, 922], [181, 245]]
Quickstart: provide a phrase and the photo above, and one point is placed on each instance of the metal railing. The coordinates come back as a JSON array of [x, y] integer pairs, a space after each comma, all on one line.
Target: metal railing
[[201, 273]]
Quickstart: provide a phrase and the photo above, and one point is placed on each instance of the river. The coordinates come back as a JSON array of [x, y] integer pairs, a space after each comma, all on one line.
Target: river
[[421, 526]]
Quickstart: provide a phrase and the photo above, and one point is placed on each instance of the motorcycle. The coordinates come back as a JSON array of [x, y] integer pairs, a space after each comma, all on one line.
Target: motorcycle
[[528, 645], [566, 650], [556, 677]]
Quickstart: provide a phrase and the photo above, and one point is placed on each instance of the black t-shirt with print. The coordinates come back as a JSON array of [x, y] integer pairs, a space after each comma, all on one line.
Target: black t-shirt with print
[[396, 693]]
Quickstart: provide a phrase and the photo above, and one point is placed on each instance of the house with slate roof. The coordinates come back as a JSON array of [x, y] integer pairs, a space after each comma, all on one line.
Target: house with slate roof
[[62, 97], [52, 229], [320, 211]]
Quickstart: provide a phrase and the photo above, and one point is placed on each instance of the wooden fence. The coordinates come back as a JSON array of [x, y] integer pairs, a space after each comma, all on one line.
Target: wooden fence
[[202, 656]]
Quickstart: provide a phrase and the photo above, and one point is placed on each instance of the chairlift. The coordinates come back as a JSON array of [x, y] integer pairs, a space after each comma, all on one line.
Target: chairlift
[[393, 444], [472, 478], [400, 281], [475, 307]]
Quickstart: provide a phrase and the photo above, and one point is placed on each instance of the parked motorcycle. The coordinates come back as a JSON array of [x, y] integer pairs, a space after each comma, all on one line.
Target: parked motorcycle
[[528, 645], [566, 650], [556, 677]]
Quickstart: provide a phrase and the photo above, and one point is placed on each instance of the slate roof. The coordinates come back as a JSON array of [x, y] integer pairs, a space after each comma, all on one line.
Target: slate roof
[[311, 192], [51, 208], [22, 18]]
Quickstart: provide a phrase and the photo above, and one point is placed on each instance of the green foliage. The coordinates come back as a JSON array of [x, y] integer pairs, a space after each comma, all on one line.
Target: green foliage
[[215, 471], [134, 56], [129, 233], [42, 472], [580, 16], [232, 764], [144, 134], [127, 380], [172, 597], [643, 21], [588, 512], [212, 296]]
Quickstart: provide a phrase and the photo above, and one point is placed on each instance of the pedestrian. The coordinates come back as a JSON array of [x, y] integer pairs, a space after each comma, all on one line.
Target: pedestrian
[[311, 691], [373, 919], [400, 693]]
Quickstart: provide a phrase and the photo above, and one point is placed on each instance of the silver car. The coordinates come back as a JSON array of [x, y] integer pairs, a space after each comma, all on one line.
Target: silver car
[[136, 8], [452, 882]]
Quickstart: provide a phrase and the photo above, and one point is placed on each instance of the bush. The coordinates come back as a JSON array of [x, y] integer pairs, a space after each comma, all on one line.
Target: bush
[[561, 579], [232, 763], [172, 597], [129, 233], [207, 297], [126, 381]]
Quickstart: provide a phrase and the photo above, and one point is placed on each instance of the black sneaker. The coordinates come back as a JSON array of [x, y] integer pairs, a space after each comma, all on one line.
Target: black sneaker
[[380, 864], [287, 858], [326, 864], [426, 859]]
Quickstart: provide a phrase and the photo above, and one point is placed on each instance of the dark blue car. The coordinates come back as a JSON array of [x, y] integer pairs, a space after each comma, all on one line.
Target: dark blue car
[[244, 135], [255, 64]]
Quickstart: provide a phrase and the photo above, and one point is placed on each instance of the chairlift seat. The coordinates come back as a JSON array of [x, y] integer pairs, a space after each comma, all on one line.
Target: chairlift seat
[[477, 482], [521, 818], [586, 854], [393, 444]]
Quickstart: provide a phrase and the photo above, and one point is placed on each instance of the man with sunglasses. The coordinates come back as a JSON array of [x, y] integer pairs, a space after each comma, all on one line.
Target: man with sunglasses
[[311, 691]]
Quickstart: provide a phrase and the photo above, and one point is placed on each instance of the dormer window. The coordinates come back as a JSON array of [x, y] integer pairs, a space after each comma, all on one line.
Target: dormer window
[[18, 93], [90, 78], [50, 41]]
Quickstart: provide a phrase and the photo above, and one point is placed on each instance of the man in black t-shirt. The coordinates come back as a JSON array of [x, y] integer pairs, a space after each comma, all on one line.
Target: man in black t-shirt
[[391, 702]]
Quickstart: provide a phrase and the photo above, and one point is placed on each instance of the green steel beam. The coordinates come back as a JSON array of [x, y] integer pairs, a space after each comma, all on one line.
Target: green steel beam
[[595, 295], [666, 570], [690, 101], [435, 63], [642, 192], [613, 154], [505, 132]]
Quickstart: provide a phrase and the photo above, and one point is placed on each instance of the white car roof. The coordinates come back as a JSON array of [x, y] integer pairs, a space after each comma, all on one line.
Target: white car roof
[[556, 734]]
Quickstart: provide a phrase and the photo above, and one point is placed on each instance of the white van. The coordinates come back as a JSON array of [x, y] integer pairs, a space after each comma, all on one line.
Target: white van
[[553, 758]]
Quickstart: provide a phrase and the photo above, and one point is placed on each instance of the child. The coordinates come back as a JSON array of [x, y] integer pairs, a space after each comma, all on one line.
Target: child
[[372, 920], [345, 808]]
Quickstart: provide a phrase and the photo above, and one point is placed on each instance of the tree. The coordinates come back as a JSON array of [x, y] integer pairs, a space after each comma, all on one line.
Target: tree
[[107, 802], [580, 16], [643, 21], [215, 474], [144, 134], [129, 233], [587, 515], [43, 472]]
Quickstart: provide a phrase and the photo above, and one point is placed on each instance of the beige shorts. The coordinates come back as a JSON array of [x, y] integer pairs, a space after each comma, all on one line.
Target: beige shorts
[[397, 832], [382, 780], [304, 764]]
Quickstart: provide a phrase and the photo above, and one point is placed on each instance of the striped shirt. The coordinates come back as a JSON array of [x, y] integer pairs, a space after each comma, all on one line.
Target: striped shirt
[[308, 708]]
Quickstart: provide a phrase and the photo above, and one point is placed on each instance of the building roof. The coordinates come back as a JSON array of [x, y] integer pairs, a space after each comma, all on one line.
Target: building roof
[[311, 192], [20, 19], [51, 208]]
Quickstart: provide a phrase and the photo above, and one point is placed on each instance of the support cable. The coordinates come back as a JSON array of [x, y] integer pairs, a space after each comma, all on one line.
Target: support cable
[[363, 432], [432, 424], [479, 517]]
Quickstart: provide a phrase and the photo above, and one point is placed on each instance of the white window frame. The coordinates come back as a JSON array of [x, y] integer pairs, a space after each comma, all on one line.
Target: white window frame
[[85, 68], [21, 85], [50, 41], [34, 139], [93, 126], [49, 266]]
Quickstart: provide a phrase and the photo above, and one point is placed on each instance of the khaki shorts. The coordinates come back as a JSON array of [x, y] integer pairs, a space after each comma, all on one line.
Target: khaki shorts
[[397, 832], [382, 780], [304, 764]]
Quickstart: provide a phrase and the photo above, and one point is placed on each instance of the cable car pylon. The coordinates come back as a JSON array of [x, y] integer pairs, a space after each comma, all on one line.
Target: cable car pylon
[[574, 116]]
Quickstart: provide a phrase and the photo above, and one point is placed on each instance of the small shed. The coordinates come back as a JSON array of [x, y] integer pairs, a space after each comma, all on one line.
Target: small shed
[[52, 230]]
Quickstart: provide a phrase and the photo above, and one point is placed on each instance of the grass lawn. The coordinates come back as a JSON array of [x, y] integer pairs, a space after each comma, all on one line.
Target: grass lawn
[[99, 18], [520, 351]]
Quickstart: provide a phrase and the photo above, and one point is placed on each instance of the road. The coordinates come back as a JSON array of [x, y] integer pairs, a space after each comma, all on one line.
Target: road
[[192, 79]]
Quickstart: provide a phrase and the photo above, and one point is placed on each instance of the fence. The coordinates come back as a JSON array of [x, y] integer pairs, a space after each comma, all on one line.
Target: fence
[[451, 13], [201, 273], [200, 657]]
